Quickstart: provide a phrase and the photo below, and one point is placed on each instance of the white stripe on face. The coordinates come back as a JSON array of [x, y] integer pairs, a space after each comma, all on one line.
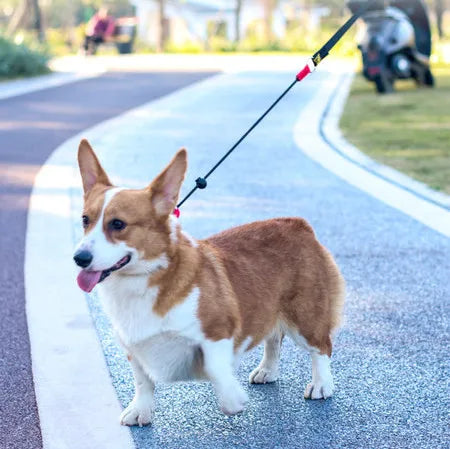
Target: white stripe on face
[[105, 254]]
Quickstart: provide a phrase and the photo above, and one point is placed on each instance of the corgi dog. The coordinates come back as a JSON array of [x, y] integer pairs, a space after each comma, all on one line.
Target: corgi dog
[[187, 309]]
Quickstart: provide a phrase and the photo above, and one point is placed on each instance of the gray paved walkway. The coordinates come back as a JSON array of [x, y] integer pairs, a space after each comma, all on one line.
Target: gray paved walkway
[[391, 358]]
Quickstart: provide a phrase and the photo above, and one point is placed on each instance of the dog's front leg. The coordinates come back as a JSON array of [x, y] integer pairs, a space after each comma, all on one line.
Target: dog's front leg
[[140, 410], [218, 364]]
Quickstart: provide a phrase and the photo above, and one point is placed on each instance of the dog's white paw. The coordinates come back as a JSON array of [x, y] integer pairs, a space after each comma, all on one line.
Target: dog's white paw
[[233, 401], [138, 413], [261, 375], [319, 390]]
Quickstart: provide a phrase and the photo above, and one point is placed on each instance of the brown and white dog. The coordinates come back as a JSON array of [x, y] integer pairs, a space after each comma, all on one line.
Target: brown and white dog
[[187, 309]]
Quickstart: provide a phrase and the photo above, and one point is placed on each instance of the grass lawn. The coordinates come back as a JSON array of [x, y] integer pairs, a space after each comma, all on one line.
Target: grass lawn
[[408, 130]]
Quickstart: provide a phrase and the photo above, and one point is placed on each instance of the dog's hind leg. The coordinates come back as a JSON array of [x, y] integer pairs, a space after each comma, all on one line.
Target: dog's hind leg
[[321, 385], [268, 369]]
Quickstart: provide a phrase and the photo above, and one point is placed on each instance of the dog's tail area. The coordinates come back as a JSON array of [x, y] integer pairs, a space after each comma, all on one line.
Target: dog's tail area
[[336, 296]]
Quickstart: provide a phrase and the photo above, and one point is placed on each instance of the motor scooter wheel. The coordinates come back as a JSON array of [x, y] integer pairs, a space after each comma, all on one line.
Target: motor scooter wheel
[[383, 84], [428, 78]]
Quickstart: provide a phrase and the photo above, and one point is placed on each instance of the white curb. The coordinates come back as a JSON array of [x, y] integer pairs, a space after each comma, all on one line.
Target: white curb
[[333, 135], [78, 407], [9, 89], [317, 135]]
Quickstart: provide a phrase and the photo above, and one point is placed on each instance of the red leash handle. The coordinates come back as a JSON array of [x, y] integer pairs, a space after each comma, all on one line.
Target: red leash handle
[[309, 68]]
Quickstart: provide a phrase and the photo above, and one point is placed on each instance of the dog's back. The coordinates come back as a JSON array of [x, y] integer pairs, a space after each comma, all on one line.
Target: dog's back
[[280, 273]]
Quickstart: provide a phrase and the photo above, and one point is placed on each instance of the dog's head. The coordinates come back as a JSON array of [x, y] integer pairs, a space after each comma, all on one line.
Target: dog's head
[[125, 231]]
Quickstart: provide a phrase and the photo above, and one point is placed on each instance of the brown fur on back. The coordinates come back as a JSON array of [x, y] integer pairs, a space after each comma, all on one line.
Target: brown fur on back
[[278, 270], [218, 306]]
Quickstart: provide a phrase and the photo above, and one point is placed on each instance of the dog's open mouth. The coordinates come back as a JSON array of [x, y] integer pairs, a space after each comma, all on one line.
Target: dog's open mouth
[[88, 279]]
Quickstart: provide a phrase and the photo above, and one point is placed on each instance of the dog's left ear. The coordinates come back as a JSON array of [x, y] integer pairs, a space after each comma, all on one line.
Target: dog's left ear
[[165, 188], [91, 171]]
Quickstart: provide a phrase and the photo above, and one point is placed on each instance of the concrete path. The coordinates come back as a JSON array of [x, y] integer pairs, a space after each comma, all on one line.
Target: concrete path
[[390, 361], [32, 126]]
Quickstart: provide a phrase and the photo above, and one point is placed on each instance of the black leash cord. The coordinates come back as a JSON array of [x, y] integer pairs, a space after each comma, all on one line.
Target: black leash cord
[[201, 182], [317, 58]]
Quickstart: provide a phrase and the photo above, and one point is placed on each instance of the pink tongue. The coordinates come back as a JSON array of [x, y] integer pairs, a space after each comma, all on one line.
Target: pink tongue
[[87, 280]]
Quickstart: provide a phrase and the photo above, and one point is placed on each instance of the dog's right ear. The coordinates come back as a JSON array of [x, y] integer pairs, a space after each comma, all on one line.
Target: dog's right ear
[[91, 171], [166, 187]]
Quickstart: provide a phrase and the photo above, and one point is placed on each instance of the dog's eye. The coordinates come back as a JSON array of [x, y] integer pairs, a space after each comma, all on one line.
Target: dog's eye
[[116, 224], [85, 220]]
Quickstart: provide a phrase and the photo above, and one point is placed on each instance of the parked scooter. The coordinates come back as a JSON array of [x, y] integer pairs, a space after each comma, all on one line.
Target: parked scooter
[[396, 42]]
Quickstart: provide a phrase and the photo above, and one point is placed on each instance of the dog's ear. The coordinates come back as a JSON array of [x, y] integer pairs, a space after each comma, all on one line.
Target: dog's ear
[[91, 171], [165, 188]]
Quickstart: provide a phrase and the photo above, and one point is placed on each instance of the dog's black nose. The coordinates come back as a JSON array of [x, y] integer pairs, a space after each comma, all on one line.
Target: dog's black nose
[[82, 258]]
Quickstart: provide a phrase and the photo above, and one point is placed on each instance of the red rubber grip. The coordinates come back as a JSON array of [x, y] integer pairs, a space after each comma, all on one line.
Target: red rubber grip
[[303, 73]]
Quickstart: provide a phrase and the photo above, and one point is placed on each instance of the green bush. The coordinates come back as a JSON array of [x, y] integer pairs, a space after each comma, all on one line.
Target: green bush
[[187, 47], [221, 44], [20, 60]]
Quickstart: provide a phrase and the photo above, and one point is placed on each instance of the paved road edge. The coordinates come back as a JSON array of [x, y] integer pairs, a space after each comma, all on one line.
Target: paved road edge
[[15, 88], [77, 403], [317, 135]]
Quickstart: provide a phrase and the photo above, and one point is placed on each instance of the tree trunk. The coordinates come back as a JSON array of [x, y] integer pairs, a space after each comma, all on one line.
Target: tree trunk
[[17, 18], [162, 26], [439, 10], [37, 20], [237, 21], [268, 12]]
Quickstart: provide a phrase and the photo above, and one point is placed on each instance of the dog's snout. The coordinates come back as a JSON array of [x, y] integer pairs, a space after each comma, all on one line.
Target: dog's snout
[[83, 258]]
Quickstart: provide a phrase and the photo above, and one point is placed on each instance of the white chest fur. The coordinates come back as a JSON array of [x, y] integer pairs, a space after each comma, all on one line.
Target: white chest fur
[[128, 302], [167, 347]]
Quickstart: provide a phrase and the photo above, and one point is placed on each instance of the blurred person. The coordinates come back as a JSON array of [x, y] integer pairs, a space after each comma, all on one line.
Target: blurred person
[[98, 30]]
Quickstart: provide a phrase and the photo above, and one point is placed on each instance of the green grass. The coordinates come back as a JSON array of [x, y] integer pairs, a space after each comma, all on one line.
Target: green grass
[[408, 130]]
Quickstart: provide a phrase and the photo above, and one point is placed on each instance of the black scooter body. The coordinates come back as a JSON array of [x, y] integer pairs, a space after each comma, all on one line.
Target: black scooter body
[[396, 43]]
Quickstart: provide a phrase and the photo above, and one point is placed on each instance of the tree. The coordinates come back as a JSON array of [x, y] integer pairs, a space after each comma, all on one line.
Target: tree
[[439, 7], [237, 21], [439, 10], [37, 20], [20, 14], [269, 7], [162, 38], [16, 18]]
